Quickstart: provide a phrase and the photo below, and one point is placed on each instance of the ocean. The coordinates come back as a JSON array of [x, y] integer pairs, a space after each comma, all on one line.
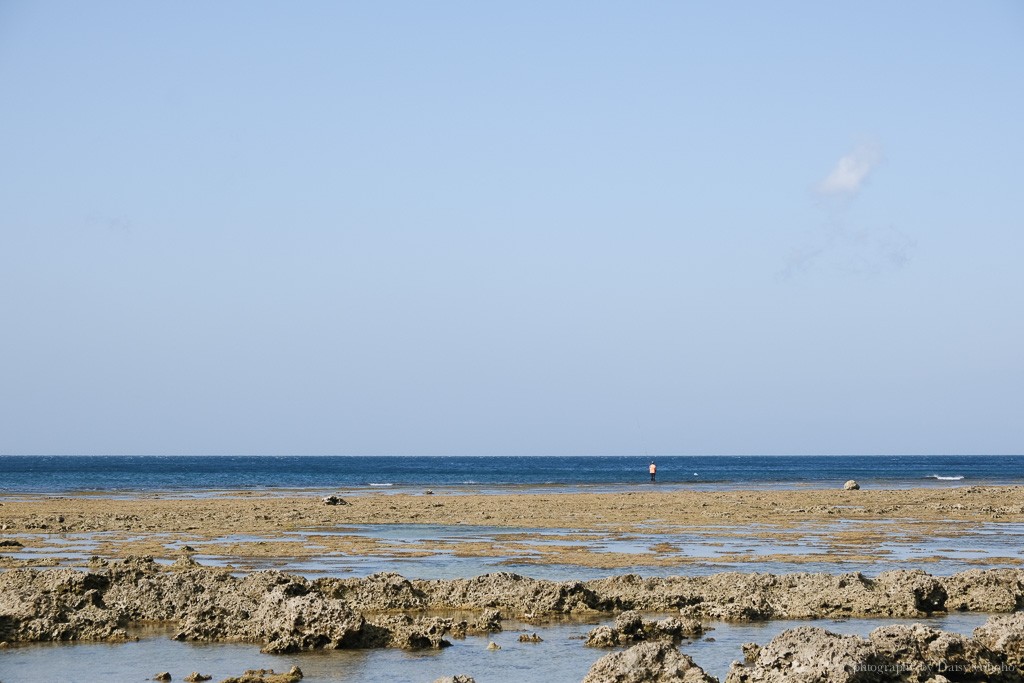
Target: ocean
[[68, 474]]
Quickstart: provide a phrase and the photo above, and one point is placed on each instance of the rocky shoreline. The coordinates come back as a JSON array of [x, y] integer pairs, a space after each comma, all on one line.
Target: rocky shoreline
[[288, 613], [285, 613], [808, 654]]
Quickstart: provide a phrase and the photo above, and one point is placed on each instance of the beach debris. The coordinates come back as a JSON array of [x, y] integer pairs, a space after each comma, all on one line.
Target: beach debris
[[460, 678], [647, 662], [851, 485], [162, 676], [334, 500], [531, 638], [428, 492], [266, 676], [196, 677], [493, 646]]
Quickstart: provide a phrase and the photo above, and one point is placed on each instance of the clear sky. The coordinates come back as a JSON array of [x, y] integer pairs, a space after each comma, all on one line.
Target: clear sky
[[538, 228]]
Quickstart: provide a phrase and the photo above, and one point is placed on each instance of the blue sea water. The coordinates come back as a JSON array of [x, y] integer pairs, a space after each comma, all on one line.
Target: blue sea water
[[61, 474]]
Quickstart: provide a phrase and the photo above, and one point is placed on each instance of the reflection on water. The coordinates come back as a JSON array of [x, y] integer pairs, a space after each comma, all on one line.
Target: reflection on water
[[560, 657], [440, 551]]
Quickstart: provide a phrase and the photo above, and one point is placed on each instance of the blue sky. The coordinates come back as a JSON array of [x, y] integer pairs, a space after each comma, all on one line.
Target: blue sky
[[511, 228]]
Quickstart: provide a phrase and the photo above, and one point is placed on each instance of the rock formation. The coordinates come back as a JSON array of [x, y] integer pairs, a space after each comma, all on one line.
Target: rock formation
[[897, 653], [630, 627], [647, 663], [287, 613]]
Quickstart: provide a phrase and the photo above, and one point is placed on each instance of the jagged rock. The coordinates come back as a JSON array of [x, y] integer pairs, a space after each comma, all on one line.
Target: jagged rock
[[647, 663], [196, 677], [978, 590], [276, 609], [381, 592], [493, 646], [505, 590], [851, 485], [162, 676], [603, 636], [266, 676], [489, 622], [461, 678], [630, 627], [405, 632], [286, 613], [808, 655], [897, 653], [1004, 635], [11, 543], [334, 500], [57, 605], [185, 562], [919, 650]]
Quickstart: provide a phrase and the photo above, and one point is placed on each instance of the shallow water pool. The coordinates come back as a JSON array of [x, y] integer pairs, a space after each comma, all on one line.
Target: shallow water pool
[[561, 657]]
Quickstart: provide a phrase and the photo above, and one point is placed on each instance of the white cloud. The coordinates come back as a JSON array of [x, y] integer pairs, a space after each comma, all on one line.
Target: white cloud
[[851, 171], [864, 250]]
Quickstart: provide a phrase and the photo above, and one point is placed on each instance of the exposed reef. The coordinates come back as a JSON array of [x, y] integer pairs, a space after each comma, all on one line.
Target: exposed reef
[[288, 613]]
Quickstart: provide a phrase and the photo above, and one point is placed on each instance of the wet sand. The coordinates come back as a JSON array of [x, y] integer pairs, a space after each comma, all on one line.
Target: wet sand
[[250, 525]]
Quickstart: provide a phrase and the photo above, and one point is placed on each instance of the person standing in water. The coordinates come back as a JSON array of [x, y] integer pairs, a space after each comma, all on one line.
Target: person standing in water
[[653, 469]]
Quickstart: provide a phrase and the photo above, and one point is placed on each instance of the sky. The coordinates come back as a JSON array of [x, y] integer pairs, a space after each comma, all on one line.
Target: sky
[[511, 228]]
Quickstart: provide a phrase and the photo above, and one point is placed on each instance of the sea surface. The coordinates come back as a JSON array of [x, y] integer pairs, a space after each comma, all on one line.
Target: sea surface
[[561, 656], [68, 474]]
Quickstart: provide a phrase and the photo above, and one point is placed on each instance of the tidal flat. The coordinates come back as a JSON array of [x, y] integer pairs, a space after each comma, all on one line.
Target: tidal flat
[[414, 585]]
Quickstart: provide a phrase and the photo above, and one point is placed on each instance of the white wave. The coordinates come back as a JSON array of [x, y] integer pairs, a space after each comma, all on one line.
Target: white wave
[[941, 478], [388, 484]]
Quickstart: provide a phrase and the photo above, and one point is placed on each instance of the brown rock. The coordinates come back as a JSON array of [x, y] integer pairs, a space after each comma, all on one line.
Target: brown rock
[[897, 653], [1004, 635], [294, 675], [978, 590], [647, 663], [807, 655], [630, 627]]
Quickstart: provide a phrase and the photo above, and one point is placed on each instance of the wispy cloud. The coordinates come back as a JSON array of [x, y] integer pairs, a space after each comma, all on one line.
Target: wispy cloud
[[851, 171], [837, 246], [867, 251]]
